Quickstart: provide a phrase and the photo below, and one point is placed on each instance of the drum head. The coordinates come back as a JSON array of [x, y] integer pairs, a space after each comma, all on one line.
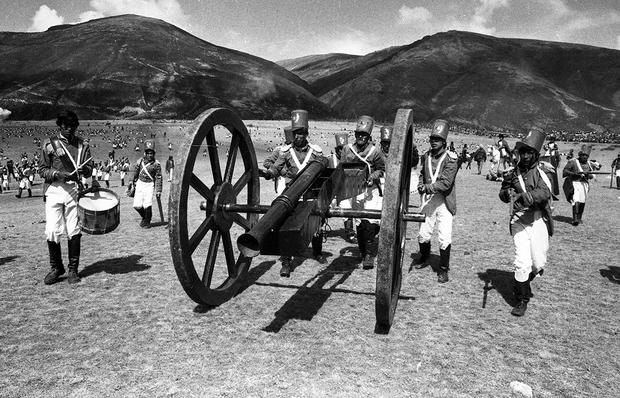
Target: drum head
[[100, 200]]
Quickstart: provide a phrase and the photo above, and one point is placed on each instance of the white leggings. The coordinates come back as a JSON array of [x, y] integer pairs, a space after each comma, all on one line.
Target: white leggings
[[531, 246], [61, 211]]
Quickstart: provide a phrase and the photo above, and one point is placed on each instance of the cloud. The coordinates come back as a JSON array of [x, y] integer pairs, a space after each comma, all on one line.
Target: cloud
[[4, 113], [44, 18], [618, 42], [483, 13], [353, 42], [408, 15], [168, 10]]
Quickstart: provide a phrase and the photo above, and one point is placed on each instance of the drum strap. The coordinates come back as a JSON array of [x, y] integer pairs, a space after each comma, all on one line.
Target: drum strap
[[146, 171]]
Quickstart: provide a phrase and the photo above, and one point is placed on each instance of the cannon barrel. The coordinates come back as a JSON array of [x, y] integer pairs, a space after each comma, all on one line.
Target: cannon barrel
[[250, 243]]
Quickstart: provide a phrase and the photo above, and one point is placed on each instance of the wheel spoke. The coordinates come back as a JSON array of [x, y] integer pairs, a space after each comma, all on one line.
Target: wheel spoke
[[232, 157], [214, 158], [200, 233], [230, 254], [242, 182], [211, 257], [241, 221], [201, 188]]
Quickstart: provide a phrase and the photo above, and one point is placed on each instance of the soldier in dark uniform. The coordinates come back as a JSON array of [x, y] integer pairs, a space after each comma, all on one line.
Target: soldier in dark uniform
[[528, 188], [364, 152], [290, 161], [65, 158], [436, 185], [615, 170], [342, 139]]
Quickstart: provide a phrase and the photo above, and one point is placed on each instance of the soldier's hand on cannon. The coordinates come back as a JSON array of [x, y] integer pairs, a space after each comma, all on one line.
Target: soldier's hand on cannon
[[421, 189], [262, 172]]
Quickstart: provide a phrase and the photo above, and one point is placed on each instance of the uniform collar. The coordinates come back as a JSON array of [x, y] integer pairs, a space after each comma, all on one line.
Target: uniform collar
[[361, 149], [303, 148], [438, 155]]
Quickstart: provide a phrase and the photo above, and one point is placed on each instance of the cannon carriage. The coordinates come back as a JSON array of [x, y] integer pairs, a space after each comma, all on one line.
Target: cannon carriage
[[215, 200]]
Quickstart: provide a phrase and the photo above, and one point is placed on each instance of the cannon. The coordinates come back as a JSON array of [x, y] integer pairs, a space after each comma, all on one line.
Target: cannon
[[215, 199]]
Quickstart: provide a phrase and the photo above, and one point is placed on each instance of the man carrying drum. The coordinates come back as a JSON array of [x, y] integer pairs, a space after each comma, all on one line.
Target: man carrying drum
[[146, 178], [362, 151], [65, 159]]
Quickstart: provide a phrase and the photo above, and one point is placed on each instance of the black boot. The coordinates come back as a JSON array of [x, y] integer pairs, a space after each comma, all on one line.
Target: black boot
[[361, 240], [140, 211], [285, 271], [368, 261], [74, 258], [580, 210], [148, 214], [349, 232], [55, 263], [444, 264], [122, 182], [19, 193], [425, 253], [107, 184], [30, 193], [317, 248], [575, 222], [617, 182], [522, 293]]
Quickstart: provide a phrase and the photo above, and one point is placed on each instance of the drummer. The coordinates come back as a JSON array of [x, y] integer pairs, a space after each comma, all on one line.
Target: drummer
[[65, 159], [147, 178]]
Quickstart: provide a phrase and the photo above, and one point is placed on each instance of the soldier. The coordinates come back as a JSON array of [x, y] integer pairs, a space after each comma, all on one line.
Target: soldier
[[342, 139], [279, 182], [291, 160], [107, 169], [615, 171], [576, 185], [124, 168], [437, 187], [23, 173], [505, 154], [362, 151], [170, 167], [147, 178], [65, 158], [480, 156], [528, 188]]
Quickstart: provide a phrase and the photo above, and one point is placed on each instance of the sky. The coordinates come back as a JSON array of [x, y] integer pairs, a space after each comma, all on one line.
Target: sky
[[280, 29]]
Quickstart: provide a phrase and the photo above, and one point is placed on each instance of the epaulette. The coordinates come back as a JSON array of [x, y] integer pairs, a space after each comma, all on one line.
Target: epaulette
[[453, 155], [315, 147]]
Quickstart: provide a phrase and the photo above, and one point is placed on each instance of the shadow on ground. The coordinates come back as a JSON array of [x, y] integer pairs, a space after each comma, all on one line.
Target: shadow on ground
[[613, 274], [310, 297], [564, 219], [120, 265], [5, 260], [499, 280]]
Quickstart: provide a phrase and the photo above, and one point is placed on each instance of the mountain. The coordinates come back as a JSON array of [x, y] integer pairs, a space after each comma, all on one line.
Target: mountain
[[474, 79], [131, 66]]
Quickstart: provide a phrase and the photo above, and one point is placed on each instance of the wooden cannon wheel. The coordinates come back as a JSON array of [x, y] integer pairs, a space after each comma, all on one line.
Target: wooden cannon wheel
[[191, 185], [393, 227]]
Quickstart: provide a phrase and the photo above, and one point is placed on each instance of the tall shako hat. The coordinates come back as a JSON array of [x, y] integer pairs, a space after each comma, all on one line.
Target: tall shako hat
[[68, 118], [342, 139], [289, 136], [585, 149], [149, 145], [534, 139], [365, 125], [299, 120], [440, 129], [386, 134]]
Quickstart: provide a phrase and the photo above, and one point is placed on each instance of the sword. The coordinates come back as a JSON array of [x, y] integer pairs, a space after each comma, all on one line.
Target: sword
[[161, 212]]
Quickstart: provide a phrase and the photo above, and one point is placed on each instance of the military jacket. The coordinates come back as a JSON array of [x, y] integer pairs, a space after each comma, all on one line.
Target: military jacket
[[444, 166], [536, 196], [292, 159], [53, 160], [371, 155], [151, 174]]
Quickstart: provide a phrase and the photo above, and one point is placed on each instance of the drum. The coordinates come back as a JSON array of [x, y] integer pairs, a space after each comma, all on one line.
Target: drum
[[99, 210]]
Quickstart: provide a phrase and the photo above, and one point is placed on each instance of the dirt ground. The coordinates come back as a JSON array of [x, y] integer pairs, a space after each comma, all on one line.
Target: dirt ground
[[129, 329]]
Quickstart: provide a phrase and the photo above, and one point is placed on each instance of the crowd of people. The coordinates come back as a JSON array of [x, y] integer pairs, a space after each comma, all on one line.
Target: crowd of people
[[528, 174]]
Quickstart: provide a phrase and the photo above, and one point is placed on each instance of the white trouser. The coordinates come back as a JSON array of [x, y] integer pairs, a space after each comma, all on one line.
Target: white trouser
[[144, 194], [367, 200], [24, 183], [170, 174], [531, 246], [123, 175], [61, 211], [618, 173], [106, 176], [279, 185], [581, 191], [436, 213]]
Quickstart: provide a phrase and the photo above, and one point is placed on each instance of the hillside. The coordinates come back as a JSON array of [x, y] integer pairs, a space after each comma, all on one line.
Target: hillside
[[131, 66], [475, 79]]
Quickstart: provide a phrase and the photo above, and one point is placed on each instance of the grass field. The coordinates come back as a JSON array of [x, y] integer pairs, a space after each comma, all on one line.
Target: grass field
[[130, 330]]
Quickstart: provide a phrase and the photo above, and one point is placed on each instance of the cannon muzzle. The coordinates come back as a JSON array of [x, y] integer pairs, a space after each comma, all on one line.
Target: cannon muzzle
[[250, 243]]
